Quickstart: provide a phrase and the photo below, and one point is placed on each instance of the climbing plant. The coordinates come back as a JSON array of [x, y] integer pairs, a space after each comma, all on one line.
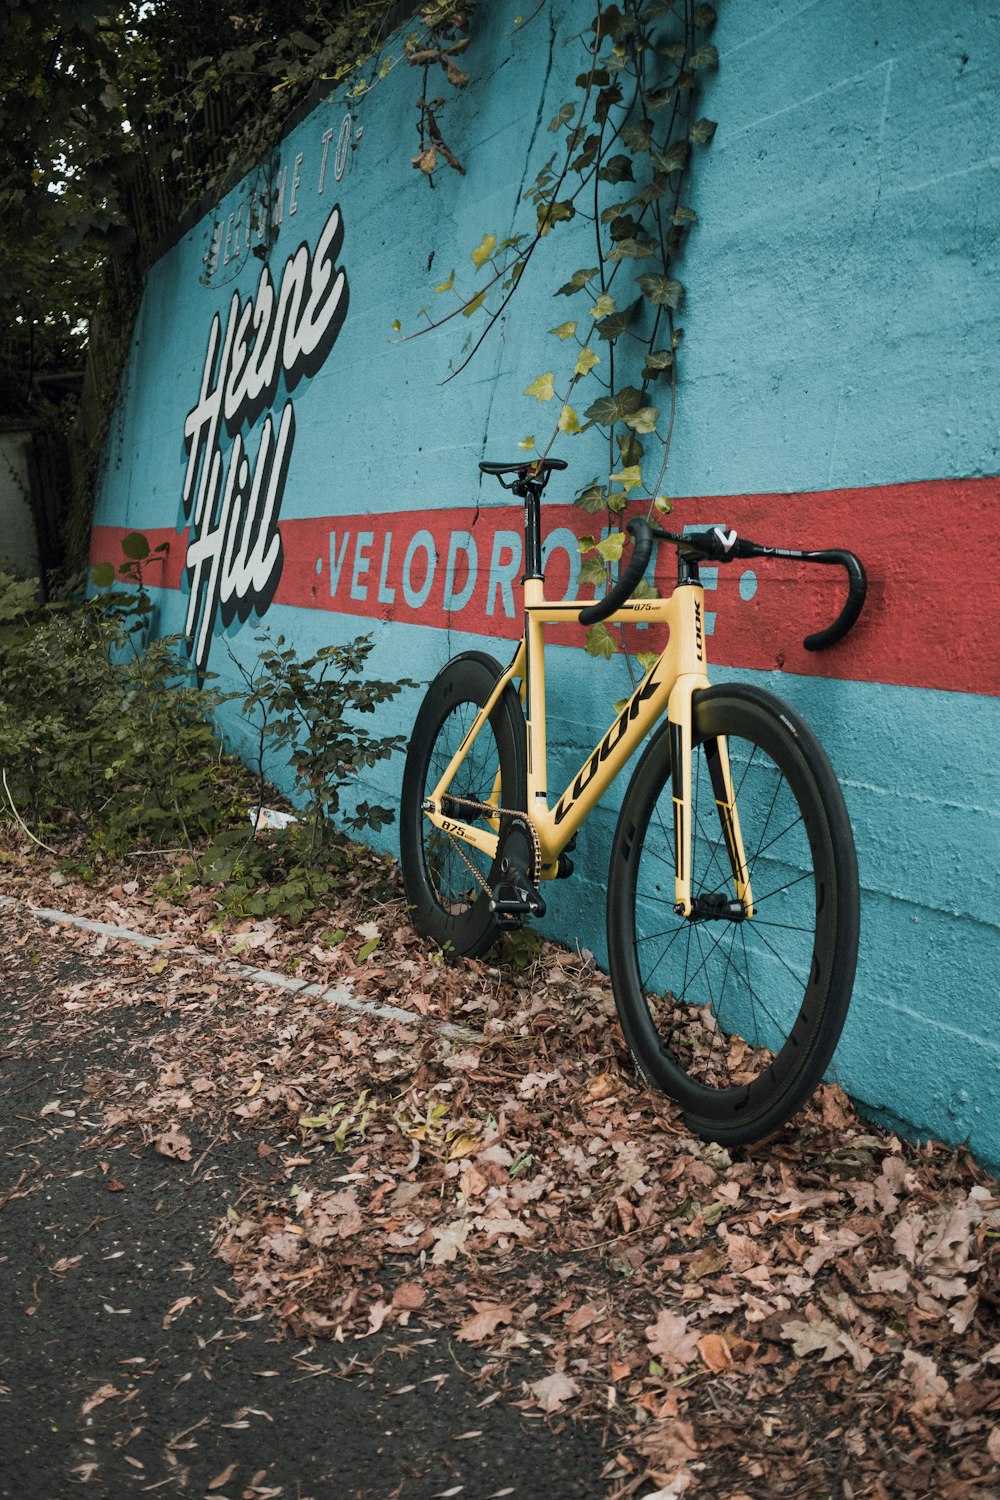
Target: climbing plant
[[626, 143]]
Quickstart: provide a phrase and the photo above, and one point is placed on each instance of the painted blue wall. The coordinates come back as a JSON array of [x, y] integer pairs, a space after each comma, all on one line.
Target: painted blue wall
[[842, 331]]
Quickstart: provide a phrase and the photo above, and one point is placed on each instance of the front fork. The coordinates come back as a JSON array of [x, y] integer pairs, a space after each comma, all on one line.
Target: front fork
[[708, 904]]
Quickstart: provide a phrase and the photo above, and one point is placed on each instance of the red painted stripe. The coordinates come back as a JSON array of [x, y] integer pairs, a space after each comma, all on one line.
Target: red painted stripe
[[927, 547]]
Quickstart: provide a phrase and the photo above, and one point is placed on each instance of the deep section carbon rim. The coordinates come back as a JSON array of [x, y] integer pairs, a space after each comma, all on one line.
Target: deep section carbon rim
[[737, 1019], [446, 878]]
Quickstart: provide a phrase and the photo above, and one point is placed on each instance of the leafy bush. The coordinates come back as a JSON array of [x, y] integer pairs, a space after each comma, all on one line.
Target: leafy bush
[[306, 712], [104, 736], [100, 735]]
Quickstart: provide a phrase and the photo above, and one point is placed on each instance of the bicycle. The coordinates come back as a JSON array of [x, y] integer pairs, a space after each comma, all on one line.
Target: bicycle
[[733, 902]]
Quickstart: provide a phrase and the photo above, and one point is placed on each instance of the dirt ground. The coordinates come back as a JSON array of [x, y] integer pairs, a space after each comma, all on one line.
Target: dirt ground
[[257, 1241]]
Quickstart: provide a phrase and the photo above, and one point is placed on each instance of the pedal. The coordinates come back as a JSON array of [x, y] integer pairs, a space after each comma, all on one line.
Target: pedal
[[513, 902]]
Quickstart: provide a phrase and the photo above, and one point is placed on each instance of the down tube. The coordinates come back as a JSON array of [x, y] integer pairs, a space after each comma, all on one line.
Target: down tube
[[646, 705]]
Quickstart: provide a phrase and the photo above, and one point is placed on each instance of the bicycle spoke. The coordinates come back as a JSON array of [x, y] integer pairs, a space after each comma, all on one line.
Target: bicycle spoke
[[737, 986]]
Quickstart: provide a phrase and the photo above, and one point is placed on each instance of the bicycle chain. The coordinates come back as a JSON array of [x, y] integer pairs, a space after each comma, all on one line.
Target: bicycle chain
[[493, 812]]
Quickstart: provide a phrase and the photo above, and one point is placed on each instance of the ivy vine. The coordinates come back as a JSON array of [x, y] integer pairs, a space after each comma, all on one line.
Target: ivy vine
[[623, 164], [446, 36]]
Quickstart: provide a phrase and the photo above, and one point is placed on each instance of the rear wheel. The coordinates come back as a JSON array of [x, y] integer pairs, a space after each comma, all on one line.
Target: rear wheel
[[446, 879], [736, 1019]]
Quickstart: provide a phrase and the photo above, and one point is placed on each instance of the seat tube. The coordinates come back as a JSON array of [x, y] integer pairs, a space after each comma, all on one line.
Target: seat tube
[[535, 697]]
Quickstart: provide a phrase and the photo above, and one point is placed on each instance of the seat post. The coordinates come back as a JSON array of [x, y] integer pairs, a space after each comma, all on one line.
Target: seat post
[[532, 495]]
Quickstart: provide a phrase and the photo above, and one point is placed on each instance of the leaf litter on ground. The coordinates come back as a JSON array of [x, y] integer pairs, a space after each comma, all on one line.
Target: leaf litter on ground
[[825, 1303]]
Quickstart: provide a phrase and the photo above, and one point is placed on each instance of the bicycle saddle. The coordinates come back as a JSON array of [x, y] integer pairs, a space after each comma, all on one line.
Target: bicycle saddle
[[539, 465]]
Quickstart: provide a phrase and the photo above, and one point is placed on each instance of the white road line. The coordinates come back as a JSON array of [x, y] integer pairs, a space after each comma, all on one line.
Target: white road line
[[340, 994]]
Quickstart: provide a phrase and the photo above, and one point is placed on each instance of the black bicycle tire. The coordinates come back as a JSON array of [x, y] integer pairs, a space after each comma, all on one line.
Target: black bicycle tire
[[467, 678], [742, 1114]]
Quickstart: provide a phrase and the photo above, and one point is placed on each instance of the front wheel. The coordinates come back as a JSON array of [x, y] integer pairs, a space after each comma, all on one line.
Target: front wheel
[[736, 1020], [446, 879]]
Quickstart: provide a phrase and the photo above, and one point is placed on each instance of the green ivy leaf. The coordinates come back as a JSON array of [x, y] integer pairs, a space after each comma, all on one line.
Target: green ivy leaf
[[527, 443], [578, 281], [475, 304], [568, 422], [704, 17], [446, 286], [612, 546], [543, 389], [624, 227], [658, 188], [629, 249], [482, 252], [600, 641], [643, 420], [588, 155], [592, 498], [593, 571], [617, 169], [615, 211], [102, 575], [639, 135], [656, 362], [661, 290], [551, 214], [617, 322], [657, 99], [706, 56], [684, 216], [672, 159], [564, 330], [586, 361], [566, 113], [647, 660], [606, 100], [610, 409], [644, 590], [630, 477], [703, 130], [603, 307], [608, 24]]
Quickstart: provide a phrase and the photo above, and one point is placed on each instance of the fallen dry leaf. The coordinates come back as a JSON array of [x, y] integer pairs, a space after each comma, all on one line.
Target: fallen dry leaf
[[671, 1341], [552, 1392], [487, 1319], [173, 1143], [102, 1394], [715, 1352]]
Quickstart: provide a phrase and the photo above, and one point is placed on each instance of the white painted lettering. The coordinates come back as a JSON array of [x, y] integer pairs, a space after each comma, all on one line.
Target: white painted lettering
[[461, 542], [386, 594], [327, 138], [504, 571], [234, 555], [337, 560], [293, 202], [362, 563], [421, 542]]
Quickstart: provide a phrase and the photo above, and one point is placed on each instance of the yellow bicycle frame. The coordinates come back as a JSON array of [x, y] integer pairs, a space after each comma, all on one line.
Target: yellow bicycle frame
[[669, 685]]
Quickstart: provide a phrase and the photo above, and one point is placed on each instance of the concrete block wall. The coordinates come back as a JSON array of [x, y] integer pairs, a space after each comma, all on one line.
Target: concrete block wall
[[837, 388]]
